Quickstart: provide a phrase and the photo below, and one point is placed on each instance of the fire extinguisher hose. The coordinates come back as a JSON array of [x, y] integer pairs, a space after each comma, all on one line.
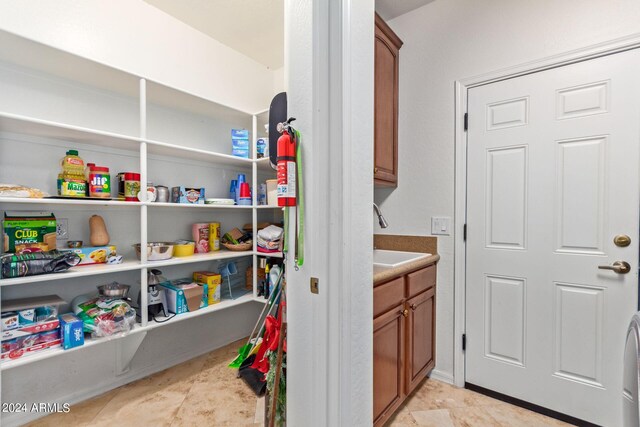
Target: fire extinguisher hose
[[299, 224]]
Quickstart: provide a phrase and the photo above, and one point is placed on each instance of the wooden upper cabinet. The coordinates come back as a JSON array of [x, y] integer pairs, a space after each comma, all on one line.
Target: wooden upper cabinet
[[387, 50]]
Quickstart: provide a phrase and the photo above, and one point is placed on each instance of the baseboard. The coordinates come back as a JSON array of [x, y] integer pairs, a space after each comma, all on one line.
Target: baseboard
[[22, 418], [445, 377]]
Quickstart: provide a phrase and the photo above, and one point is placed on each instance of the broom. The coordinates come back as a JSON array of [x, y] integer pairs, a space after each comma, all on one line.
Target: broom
[[245, 350]]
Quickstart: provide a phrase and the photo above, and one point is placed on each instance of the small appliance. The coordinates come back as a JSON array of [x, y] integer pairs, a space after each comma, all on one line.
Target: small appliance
[[156, 297]]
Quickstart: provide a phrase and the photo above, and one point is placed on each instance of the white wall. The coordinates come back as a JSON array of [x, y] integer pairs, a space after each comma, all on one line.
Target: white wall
[[135, 37], [454, 39], [329, 67]]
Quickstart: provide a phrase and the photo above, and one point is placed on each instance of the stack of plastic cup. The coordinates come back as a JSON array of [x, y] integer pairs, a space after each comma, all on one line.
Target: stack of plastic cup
[[245, 195]]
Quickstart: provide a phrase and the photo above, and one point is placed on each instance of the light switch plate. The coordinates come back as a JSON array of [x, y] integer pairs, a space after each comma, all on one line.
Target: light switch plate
[[440, 225]]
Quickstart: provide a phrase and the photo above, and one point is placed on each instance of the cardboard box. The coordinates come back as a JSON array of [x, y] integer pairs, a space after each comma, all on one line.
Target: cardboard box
[[34, 328], [29, 229], [213, 282], [71, 331], [183, 297], [91, 255], [192, 196], [23, 351]]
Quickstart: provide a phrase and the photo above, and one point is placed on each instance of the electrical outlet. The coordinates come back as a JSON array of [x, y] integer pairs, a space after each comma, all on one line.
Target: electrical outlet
[[62, 228], [440, 225]]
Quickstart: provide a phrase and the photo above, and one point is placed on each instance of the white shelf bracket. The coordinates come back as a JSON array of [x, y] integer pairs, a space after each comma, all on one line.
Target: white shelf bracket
[[126, 349]]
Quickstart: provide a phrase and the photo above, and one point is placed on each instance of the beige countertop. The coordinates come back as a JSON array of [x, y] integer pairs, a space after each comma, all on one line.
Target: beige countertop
[[423, 244], [382, 274]]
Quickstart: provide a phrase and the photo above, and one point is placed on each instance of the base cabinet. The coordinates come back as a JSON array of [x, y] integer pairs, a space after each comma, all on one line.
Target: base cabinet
[[403, 339], [388, 368], [420, 338]]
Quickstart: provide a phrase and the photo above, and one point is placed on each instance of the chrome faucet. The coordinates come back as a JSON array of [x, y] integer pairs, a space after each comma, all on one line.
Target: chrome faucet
[[381, 220]]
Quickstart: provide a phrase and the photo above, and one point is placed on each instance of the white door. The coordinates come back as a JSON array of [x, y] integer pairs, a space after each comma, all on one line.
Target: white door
[[552, 178]]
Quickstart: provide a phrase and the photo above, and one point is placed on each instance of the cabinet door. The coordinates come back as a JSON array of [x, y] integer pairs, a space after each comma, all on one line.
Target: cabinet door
[[388, 366], [421, 324], [387, 48]]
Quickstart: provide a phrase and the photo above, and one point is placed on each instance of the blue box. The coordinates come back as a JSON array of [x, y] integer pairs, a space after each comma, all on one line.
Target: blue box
[[71, 331], [240, 143], [184, 296]]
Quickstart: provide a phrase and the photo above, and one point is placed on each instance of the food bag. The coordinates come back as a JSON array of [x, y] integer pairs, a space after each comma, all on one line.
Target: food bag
[[36, 263]]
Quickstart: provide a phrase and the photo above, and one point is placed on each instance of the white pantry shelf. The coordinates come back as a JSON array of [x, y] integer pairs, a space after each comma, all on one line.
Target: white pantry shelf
[[79, 271], [57, 351], [94, 270], [121, 203], [160, 148], [270, 254], [210, 256], [189, 206], [68, 202], [15, 123], [264, 165], [268, 207]]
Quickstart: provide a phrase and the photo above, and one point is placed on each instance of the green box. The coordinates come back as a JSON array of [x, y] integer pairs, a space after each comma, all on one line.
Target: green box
[[30, 229]]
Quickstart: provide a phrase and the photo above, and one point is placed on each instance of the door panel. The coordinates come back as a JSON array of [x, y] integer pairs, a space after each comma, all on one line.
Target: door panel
[[388, 353], [506, 197], [504, 319], [552, 178], [384, 112], [420, 338], [580, 203]]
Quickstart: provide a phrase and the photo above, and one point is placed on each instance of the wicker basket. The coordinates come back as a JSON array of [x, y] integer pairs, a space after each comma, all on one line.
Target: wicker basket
[[239, 247]]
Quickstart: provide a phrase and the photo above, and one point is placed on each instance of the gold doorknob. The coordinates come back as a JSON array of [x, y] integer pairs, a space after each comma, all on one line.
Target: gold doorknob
[[622, 240], [620, 267], [404, 312], [375, 170]]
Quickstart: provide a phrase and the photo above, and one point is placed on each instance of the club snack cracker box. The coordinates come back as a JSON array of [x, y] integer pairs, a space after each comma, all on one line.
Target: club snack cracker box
[[29, 232]]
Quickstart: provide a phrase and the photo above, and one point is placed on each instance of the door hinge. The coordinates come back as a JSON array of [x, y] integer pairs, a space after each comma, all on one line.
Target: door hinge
[[464, 232], [464, 342], [466, 121]]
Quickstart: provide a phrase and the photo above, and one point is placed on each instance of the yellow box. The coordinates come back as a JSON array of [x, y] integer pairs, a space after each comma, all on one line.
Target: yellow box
[[213, 281]]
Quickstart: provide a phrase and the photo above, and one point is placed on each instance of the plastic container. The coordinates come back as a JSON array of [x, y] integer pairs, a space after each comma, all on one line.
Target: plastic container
[[72, 181], [131, 186], [272, 192], [99, 182], [87, 170], [183, 248]]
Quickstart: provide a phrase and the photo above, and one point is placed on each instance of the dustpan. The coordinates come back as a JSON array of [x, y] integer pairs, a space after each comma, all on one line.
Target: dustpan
[[227, 271]]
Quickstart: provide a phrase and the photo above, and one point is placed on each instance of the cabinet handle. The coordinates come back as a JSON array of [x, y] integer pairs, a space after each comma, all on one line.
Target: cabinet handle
[[375, 170], [404, 312], [413, 307]]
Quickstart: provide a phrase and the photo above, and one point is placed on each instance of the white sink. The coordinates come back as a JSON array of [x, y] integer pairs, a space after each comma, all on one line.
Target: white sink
[[391, 259]]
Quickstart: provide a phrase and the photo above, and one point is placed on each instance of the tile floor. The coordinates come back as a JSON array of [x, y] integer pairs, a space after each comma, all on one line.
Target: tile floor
[[204, 392], [200, 392], [437, 404]]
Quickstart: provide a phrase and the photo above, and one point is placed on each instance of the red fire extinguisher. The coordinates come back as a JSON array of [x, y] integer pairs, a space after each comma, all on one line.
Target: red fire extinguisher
[[286, 171]]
